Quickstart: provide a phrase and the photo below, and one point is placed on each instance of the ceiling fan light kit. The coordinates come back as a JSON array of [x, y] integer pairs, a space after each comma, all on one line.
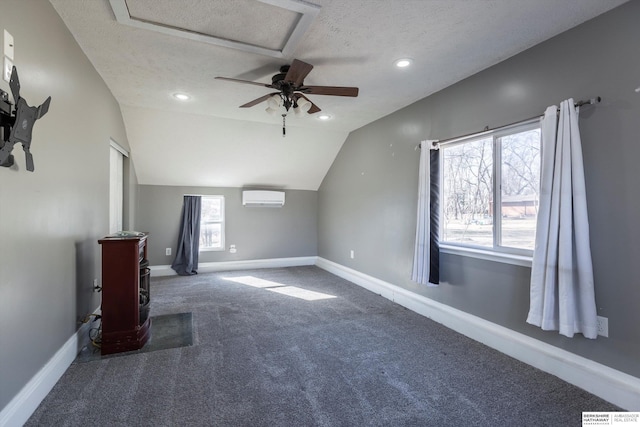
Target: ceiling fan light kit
[[303, 107], [291, 91], [273, 104]]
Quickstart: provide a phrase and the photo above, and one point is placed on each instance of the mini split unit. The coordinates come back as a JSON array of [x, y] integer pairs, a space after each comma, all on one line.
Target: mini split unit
[[263, 198]]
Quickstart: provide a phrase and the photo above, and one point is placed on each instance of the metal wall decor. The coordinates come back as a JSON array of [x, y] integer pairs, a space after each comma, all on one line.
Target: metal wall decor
[[17, 123]]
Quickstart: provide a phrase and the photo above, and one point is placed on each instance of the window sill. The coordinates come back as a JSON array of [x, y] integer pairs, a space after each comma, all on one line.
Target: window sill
[[211, 249], [521, 260]]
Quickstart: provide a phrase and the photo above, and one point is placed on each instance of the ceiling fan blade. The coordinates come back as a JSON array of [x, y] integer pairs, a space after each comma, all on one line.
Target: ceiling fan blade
[[263, 72], [330, 90], [297, 72], [258, 100], [244, 81], [314, 108]]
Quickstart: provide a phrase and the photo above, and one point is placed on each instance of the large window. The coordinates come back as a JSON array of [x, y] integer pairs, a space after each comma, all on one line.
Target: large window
[[490, 190], [212, 223]]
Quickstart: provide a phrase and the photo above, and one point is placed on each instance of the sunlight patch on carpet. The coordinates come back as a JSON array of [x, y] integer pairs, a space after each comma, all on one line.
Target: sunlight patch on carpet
[[256, 282], [280, 288], [294, 291]]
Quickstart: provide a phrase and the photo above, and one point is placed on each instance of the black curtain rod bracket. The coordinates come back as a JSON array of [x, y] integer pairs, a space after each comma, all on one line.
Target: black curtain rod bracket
[[591, 101]]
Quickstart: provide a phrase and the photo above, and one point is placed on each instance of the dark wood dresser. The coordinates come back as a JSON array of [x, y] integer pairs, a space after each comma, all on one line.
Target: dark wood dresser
[[126, 324]]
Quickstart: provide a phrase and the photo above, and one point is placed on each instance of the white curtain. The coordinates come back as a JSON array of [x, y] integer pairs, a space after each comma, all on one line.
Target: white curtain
[[422, 255], [562, 291]]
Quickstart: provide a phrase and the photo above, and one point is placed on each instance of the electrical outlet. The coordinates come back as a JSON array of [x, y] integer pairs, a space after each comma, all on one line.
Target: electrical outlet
[[8, 45], [603, 326], [352, 254], [232, 249], [167, 251], [96, 287], [6, 70]]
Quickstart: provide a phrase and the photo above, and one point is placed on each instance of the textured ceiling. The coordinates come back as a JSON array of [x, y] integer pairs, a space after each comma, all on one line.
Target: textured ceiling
[[230, 19], [350, 43]]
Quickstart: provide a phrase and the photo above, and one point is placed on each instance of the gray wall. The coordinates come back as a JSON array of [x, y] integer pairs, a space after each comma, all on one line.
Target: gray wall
[[258, 233], [367, 201], [50, 220]]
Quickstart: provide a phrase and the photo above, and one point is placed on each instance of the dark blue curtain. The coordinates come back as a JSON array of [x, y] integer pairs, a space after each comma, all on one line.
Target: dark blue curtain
[[186, 261], [426, 257], [434, 221]]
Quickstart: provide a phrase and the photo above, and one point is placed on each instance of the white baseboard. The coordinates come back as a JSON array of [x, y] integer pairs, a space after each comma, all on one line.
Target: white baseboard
[[18, 411], [210, 267], [609, 384]]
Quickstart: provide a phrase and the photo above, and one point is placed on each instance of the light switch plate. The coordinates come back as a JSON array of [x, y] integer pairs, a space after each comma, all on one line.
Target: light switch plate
[[6, 69], [8, 44]]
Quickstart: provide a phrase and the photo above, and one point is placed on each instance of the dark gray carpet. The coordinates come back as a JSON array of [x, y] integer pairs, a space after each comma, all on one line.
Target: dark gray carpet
[[167, 331], [263, 358]]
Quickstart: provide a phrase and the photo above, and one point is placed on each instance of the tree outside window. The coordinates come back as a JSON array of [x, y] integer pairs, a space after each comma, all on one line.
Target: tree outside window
[[490, 190]]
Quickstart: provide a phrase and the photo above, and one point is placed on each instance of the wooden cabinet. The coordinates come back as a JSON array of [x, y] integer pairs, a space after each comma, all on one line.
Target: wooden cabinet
[[126, 296]]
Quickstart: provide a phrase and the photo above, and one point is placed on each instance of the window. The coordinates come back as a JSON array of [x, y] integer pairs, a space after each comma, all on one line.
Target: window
[[212, 223], [490, 190]]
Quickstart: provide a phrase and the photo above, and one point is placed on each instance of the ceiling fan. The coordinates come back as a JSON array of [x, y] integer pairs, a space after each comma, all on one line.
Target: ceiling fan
[[291, 90]]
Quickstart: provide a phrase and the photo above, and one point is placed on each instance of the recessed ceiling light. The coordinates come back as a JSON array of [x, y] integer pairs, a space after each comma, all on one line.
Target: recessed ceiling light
[[403, 63], [324, 117], [181, 96]]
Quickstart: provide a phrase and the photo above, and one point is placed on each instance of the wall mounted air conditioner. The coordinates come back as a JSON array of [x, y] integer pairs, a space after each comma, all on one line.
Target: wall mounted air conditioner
[[263, 198]]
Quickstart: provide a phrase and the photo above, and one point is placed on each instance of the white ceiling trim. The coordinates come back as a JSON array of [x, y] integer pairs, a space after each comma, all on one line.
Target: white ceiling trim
[[307, 11]]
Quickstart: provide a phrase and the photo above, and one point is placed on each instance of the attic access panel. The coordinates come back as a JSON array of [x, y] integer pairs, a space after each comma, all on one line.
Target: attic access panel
[[266, 27]]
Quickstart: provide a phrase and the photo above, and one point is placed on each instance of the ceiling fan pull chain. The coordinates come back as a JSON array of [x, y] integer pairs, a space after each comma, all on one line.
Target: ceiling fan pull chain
[[284, 132]]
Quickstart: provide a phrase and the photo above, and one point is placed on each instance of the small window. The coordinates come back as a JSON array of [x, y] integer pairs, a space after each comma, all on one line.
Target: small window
[[490, 190], [212, 223]]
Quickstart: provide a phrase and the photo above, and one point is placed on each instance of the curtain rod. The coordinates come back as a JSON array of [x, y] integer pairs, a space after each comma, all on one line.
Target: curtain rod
[[591, 101]]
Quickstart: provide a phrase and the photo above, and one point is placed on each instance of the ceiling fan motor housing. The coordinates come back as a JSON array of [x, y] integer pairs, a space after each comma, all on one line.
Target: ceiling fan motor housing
[[278, 79]]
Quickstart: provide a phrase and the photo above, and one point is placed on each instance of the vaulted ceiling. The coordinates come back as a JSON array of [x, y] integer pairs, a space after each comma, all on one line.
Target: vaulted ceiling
[[148, 50]]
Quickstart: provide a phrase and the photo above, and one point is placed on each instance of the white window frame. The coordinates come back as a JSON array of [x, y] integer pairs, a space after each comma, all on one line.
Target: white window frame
[[221, 222], [499, 253]]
